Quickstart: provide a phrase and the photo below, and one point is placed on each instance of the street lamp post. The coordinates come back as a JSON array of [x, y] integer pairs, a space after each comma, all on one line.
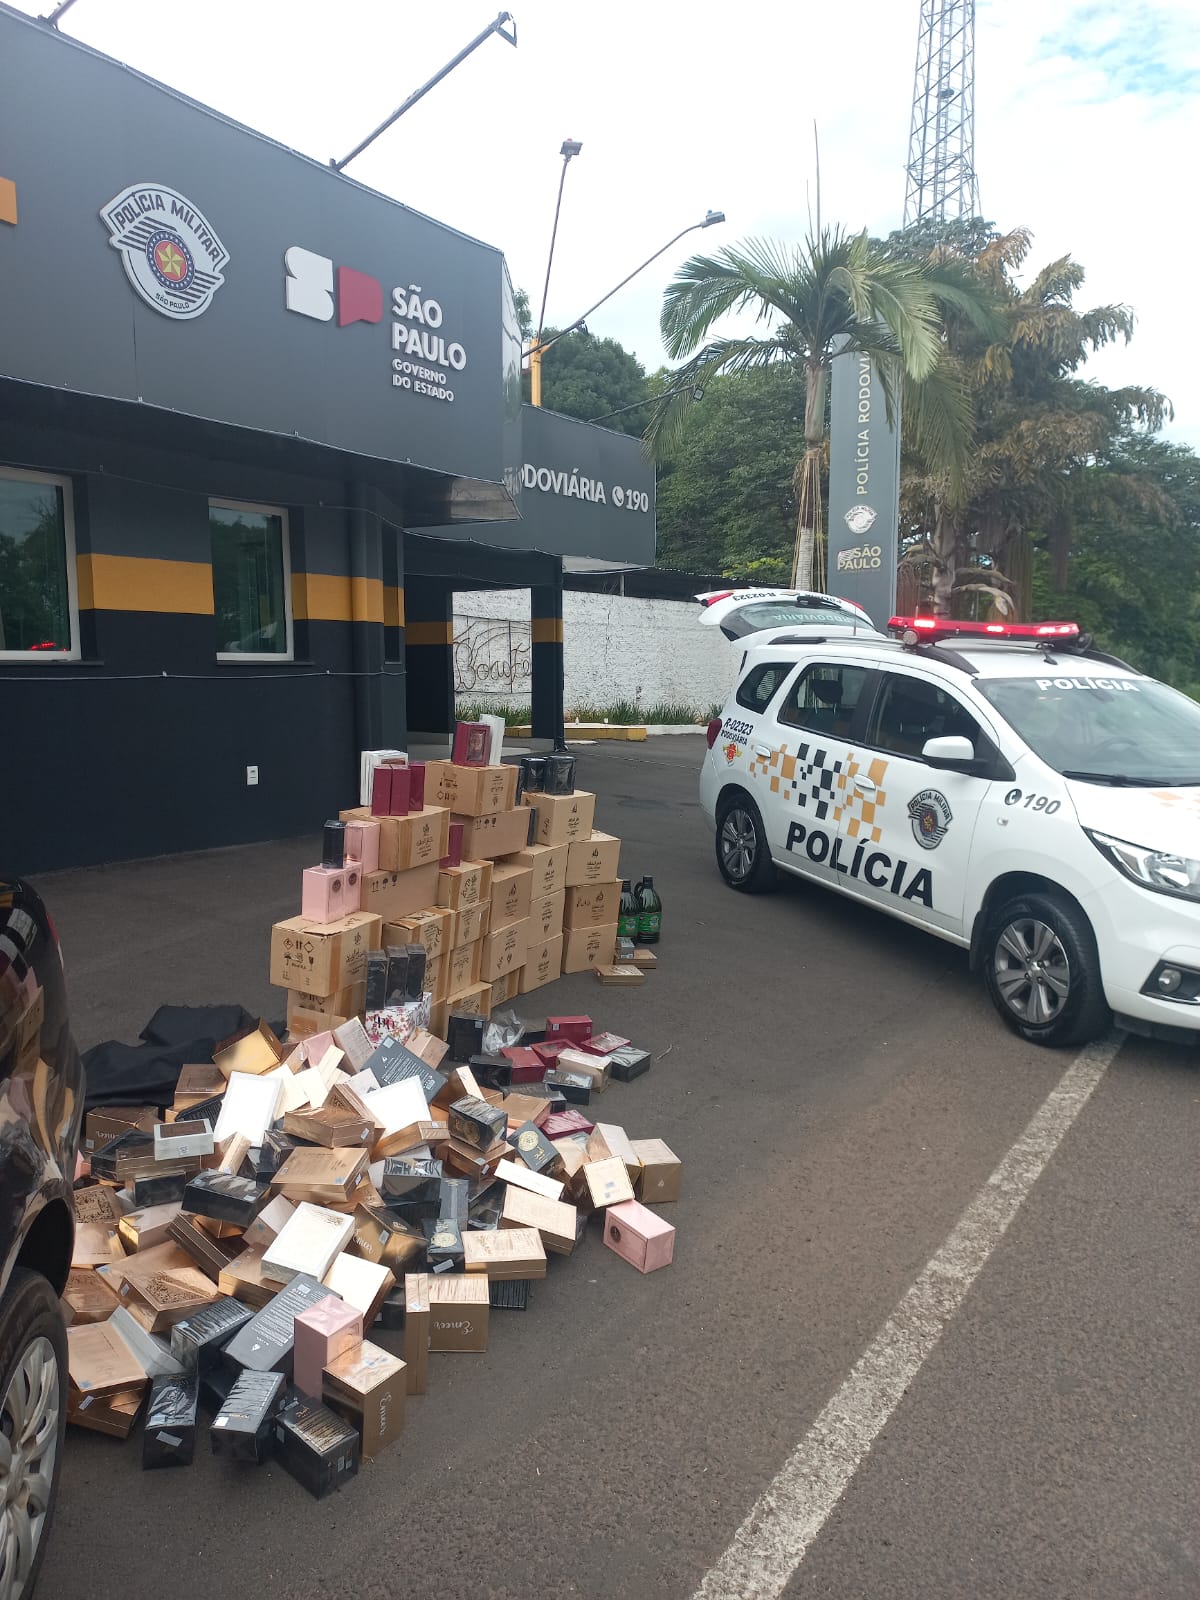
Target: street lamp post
[[570, 149], [538, 348]]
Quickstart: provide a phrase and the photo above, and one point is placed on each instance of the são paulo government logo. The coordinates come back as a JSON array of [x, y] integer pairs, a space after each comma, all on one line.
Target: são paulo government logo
[[172, 256]]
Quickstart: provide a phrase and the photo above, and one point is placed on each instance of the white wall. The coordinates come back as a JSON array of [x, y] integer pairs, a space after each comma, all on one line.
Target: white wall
[[615, 647]]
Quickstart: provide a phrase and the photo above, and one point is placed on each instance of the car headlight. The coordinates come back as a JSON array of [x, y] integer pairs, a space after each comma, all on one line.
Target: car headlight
[[1153, 869]]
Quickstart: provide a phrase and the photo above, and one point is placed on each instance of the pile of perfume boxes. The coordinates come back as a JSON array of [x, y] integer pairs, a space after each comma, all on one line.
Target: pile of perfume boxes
[[274, 1259], [502, 893]]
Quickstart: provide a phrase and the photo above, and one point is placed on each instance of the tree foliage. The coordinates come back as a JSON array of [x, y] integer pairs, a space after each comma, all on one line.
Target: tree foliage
[[592, 378], [726, 493], [836, 291]]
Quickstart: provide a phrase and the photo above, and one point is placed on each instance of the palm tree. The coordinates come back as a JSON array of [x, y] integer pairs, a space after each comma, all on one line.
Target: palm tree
[[1038, 428], [836, 292]]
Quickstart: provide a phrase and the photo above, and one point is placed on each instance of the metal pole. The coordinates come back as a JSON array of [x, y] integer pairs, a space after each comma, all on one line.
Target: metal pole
[[492, 27], [52, 20]]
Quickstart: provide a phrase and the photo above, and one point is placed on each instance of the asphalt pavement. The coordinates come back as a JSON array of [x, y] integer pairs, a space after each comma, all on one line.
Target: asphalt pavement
[[839, 1090]]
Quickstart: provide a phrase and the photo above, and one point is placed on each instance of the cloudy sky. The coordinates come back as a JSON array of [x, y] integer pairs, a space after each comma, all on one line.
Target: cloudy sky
[[1087, 127]]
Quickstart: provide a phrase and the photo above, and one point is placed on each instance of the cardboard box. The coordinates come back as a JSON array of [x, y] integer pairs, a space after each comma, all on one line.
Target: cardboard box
[[366, 1387], [584, 948], [593, 860], [496, 835], [458, 1312], [471, 791], [346, 1002], [543, 964], [100, 1362], [474, 1001], [503, 951], [510, 895], [504, 1254], [462, 887], [607, 1182], [555, 1221], [87, 1298], [505, 988], [638, 1236], [392, 895], [621, 977], [113, 1414], [462, 968], [472, 922], [256, 1051], [548, 866], [323, 958], [660, 1172], [563, 817], [591, 905], [546, 917], [419, 839], [416, 1331], [432, 927], [304, 1024]]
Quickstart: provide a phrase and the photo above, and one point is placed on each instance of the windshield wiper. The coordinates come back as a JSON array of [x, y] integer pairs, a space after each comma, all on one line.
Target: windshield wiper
[[1121, 780]]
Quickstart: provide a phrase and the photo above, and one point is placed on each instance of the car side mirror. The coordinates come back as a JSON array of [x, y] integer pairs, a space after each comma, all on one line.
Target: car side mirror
[[952, 751]]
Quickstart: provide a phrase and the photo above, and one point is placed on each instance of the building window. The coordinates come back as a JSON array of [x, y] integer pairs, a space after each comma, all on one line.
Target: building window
[[252, 594], [39, 617]]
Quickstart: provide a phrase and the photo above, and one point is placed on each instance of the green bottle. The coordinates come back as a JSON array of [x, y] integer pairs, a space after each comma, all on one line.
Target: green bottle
[[627, 923], [649, 912]]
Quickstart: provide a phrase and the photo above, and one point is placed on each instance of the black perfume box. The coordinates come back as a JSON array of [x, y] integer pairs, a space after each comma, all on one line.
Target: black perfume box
[[214, 1386], [535, 1151], [197, 1341], [492, 1072], [477, 1123], [106, 1161], [392, 1062], [397, 974], [464, 1035], [242, 1429], [445, 1251], [408, 1181], [509, 1294], [573, 1086], [485, 1205], [377, 980], [203, 1110], [453, 1196], [264, 1344], [315, 1445], [333, 843], [225, 1197], [418, 960], [391, 1312], [628, 1063], [211, 1255], [155, 1191], [169, 1433]]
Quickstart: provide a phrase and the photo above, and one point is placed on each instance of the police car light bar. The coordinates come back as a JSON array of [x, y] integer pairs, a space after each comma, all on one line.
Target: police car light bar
[[930, 629]]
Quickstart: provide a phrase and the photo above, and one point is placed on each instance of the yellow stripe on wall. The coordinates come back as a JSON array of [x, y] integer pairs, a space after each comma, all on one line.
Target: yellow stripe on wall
[[429, 633], [393, 608], [332, 597], [143, 583], [547, 630]]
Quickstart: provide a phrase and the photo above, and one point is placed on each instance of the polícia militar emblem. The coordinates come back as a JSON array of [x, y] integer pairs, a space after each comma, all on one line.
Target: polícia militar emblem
[[931, 817], [172, 255]]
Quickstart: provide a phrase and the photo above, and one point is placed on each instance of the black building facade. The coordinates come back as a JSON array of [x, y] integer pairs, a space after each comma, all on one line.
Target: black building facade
[[257, 425]]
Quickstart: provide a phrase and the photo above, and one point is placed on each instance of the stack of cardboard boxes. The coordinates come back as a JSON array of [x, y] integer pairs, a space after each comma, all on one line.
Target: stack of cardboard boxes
[[504, 893]]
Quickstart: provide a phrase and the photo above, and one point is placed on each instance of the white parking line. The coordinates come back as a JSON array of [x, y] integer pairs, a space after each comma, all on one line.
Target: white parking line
[[782, 1525]]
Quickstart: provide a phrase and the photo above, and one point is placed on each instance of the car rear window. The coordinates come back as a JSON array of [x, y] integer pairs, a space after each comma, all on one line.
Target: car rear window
[[758, 688], [787, 614]]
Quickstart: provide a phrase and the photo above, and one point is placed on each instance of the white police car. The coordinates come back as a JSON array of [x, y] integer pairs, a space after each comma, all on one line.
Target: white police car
[[1005, 787]]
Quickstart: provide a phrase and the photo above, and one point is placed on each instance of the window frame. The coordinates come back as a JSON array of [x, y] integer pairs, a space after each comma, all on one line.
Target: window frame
[[862, 707], [990, 762], [47, 658], [268, 657], [764, 666]]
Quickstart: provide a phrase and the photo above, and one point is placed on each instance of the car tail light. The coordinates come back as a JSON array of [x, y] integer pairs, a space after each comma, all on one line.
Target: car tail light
[[714, 729]]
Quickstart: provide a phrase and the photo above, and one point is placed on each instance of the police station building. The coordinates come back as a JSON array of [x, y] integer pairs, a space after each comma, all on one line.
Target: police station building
[[257, 424]]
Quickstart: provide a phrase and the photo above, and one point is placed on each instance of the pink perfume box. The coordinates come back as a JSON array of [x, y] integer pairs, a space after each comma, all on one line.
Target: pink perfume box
[[362, 842], [324, 1332], [323, 897], [600, 1044], [638, 1236]]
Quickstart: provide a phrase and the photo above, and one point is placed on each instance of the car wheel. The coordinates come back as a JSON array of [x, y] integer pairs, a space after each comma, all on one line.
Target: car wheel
[[33, 1420], [1043, 971], [743, 859]]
